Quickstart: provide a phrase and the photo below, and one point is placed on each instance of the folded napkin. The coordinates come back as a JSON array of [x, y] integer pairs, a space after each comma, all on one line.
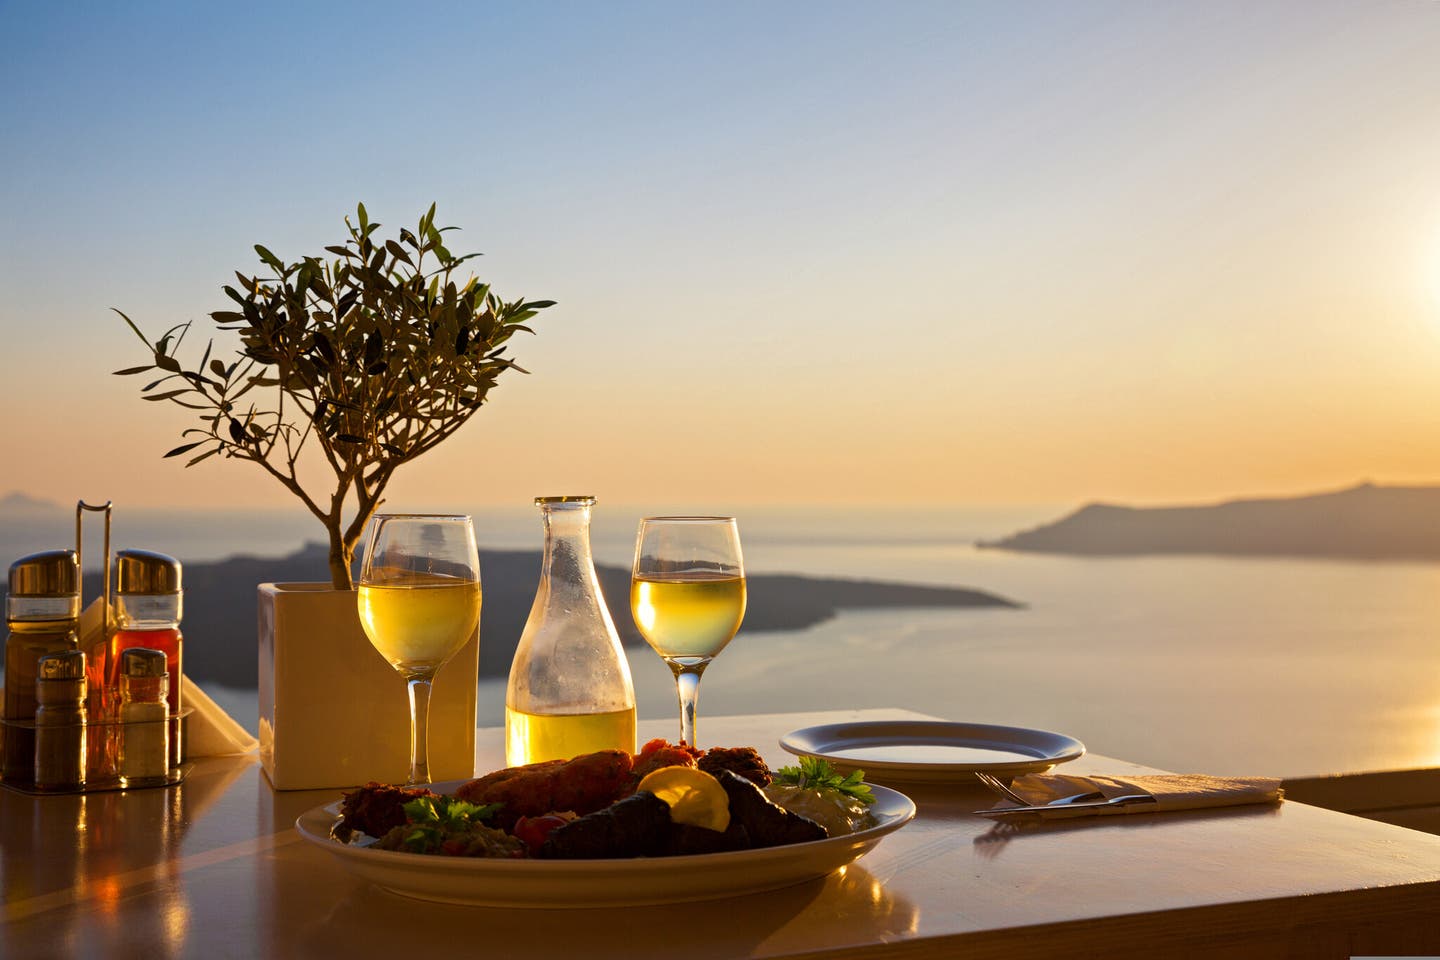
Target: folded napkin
[[1191, 791], [209, 730]]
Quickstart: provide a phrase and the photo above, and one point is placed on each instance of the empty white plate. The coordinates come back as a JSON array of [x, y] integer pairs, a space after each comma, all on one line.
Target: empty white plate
[[927, 751]]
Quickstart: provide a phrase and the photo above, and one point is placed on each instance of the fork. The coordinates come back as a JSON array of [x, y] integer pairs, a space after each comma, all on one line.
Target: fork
[[1000, 787]]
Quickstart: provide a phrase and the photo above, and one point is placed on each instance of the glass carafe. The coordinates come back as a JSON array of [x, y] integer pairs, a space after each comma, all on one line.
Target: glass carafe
[[570, 691]]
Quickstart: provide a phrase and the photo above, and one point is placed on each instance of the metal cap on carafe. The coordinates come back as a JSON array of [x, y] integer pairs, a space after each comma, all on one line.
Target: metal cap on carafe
[[143, 662], [50, 573], [146, 572]]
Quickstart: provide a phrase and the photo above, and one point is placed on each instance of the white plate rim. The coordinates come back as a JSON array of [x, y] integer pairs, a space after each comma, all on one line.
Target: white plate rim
[[509, 883], [825, 740]]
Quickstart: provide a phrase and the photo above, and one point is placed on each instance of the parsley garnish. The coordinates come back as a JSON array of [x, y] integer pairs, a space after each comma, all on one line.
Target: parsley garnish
[[432, 818], [818, 774]]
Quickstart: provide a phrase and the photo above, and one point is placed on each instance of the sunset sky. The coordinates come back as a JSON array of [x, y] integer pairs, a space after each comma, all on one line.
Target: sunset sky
[[987, 253]]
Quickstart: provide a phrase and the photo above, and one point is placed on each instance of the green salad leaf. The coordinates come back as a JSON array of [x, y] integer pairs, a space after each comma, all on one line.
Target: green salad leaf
[[433, 818], [818, 774]]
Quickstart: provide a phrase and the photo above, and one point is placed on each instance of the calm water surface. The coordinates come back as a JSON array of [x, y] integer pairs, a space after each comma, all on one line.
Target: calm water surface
[[1189, 663], [1220, 665]]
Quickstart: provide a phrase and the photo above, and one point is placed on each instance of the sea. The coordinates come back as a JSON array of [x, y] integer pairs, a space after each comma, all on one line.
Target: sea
[[1223, 665]]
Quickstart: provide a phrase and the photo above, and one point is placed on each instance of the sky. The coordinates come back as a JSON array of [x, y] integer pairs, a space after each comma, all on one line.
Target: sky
[[909, 253]]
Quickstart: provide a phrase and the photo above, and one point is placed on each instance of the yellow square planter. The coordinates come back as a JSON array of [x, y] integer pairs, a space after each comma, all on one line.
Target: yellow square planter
[[334, 713]]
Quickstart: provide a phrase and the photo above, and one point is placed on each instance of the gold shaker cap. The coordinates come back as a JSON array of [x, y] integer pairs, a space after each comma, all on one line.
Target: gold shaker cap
[[145, 571], [67, 665], [50, 573], [143, 662]]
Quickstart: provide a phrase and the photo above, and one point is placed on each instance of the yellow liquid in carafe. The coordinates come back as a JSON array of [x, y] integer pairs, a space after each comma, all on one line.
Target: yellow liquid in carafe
[[532, 737]]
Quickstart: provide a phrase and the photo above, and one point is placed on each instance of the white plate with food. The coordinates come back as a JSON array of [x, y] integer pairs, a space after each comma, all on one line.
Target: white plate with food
[[633, 881], [928, 751]]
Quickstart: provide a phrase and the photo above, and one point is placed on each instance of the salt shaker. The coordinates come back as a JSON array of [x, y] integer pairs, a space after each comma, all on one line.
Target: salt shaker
[[145, 727]]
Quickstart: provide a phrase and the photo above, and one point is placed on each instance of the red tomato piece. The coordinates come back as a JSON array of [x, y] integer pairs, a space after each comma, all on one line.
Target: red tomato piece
[[532, 831]]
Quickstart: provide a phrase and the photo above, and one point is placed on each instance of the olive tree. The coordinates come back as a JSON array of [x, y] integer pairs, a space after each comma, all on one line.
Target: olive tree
[[373, 355]]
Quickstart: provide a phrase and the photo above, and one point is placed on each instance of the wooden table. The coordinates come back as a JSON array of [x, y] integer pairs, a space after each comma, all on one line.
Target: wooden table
[[213, 868]]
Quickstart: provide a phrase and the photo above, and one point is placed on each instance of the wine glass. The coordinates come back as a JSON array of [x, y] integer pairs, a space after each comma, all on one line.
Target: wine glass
[[419, 604], [687, 594]]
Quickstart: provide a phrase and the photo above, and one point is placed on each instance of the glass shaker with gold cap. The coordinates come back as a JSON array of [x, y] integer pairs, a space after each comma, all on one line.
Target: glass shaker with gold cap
[[144, 729], [42, 611], [147, 615], [60, 726]]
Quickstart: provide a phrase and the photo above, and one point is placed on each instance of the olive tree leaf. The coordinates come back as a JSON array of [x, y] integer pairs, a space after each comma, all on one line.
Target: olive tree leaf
[[270, 259], [184, 448], [398, 252]]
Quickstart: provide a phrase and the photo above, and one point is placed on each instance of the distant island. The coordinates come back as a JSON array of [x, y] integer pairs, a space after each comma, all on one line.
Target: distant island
[[22, 504], [220, 606], [1362, 522]]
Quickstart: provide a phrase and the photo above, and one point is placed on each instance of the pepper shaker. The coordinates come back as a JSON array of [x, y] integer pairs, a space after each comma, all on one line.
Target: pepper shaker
[[60, 722]]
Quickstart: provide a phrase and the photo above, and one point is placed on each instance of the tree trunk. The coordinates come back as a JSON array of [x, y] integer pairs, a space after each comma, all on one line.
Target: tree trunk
[[340, 561]]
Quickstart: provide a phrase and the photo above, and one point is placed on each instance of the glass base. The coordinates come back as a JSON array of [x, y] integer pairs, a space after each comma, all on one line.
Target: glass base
[[99, 746], [173, 776]]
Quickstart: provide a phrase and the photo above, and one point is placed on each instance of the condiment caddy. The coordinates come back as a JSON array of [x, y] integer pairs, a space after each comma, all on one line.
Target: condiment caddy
[[92, 695]]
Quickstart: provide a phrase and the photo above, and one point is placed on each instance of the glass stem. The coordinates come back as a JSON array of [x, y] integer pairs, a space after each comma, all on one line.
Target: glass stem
[[687, 683], [419, 721]]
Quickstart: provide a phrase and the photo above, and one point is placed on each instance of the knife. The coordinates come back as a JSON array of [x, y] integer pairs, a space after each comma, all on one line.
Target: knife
[[1124, 801]]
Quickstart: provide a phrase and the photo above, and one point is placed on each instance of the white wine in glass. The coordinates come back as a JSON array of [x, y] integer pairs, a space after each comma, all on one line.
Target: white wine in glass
[[419, 601], [687, 594]]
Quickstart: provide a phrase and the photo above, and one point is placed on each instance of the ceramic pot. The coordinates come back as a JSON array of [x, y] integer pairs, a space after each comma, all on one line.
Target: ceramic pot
[[334, 713]]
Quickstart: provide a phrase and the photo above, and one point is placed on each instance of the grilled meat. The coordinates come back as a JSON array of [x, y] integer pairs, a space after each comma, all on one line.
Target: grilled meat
[[637, 826], [583, 785], [745, 761], [375, 809], [765, 823]]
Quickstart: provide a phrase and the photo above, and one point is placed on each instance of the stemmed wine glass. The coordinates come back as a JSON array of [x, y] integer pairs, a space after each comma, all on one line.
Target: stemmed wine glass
[[687, 594], [419, 603]]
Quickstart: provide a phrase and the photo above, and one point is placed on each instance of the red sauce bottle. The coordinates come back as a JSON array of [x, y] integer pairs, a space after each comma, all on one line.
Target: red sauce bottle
[[147, 615]]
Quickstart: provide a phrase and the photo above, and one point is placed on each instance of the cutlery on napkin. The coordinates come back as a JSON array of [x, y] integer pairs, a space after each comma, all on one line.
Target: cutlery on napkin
[[1171, 792]]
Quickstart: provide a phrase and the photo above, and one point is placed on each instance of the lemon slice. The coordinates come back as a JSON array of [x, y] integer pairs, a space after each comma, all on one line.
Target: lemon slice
[[694, 796]]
